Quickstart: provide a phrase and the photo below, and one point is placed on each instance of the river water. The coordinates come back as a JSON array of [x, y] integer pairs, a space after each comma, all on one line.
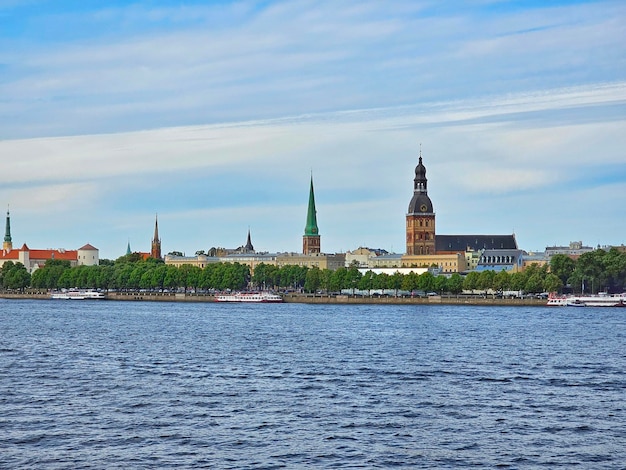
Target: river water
[[171, 385]]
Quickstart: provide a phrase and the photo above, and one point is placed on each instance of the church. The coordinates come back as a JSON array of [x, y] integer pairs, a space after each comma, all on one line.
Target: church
[[451, 253]]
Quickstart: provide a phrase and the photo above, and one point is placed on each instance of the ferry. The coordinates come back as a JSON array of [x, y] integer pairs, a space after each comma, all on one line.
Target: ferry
[[253, 297], [555, 300], [78, 295], [600, 300]]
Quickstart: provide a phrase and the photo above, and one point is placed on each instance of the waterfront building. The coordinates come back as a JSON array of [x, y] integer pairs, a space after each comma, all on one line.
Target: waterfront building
[[311, 243], [201, 261], [446, 262], [312, 260], [363, 257], [574, 250], [420, 218], [450, 253], [501, 260], [539, 259], [34, 259]]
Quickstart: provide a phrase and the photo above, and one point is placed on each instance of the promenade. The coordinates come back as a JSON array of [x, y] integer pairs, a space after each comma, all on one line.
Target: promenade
[[304, 299]]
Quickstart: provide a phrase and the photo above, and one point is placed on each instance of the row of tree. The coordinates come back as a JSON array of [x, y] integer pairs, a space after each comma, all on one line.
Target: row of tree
[[592, 272]]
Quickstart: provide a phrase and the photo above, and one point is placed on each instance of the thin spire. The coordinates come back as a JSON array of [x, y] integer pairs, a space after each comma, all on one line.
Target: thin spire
[[311, 217], [128, 252], [156, 228], [249, 247], [7, 231]]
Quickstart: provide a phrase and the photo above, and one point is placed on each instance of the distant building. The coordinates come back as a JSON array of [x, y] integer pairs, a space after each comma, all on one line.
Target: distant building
[[574, 250], [34, 259], [451, 253], [313, 260], [501, 260], [363, 257], [420, 218]]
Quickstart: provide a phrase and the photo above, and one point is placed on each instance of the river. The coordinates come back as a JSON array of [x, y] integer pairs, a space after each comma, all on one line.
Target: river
[[104, 384]]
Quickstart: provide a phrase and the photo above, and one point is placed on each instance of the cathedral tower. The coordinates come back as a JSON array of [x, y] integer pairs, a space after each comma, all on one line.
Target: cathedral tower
[[311, 238], [7, 244], [155, 251], [420, 219]]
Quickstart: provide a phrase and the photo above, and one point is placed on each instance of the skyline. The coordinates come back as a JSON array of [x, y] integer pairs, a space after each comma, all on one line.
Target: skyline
[[215, 116]]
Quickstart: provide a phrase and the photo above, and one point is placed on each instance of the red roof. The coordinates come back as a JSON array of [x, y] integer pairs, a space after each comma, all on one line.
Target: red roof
[[88, 247], [70, 255]]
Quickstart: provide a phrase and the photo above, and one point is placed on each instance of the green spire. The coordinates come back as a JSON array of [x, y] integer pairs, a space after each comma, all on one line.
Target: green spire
[[311, 216], [128, 252], [7, 232]]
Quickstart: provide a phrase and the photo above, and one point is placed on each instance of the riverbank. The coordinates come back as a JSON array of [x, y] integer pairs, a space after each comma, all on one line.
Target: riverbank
[[304, 299]]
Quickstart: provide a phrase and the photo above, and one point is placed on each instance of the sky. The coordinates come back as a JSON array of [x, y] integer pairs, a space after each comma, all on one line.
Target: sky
[[214, 115]]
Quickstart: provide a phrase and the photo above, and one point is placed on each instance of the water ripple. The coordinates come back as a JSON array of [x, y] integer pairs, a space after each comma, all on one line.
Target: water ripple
[[118, 385]]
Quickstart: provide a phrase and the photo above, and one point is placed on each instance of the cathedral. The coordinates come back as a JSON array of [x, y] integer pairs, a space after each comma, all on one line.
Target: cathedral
[[451, 253]]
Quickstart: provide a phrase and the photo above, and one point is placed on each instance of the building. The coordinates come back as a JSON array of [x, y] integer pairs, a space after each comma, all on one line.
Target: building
[[312, 260], [363, 257], [420, 218], [501, 260], [311, 239], [451, 253], [574, 250], [34, 259]]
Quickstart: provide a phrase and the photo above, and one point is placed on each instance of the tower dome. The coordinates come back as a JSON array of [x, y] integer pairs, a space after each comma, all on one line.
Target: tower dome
[[420, 202]]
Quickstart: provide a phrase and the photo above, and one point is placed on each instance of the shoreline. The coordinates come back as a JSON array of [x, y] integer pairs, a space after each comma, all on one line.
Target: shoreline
[[303, 299]]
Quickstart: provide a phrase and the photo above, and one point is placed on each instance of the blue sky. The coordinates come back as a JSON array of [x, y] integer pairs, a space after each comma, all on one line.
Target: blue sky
[[214, 114]]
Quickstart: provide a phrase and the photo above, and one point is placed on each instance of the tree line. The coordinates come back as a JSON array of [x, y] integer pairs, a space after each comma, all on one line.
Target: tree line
[[594, 271]]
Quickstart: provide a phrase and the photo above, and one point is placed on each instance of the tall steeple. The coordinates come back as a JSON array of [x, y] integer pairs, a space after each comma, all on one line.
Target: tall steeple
[[155, 252], [420, 218], [7, 244], [249, 248], [128, 252], [311, 238]]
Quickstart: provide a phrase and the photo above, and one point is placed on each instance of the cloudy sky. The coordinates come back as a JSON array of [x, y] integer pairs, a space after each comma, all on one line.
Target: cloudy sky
[[214, 115]]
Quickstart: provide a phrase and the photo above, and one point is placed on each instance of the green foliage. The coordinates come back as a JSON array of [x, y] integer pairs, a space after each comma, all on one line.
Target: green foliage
[[598, 270]]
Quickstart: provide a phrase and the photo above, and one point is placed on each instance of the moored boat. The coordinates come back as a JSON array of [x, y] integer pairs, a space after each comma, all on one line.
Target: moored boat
[[555, 300], [78, 295], [600, 300], [252, 297]]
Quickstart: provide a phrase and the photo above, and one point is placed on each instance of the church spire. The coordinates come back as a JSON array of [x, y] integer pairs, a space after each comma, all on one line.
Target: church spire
[[155, 252], [7, 245], [311, 239], [311, 216], [249, 248]]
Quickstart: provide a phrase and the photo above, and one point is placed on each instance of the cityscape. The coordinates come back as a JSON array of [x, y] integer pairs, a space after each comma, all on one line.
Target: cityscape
[[310, 234], [427, 251]]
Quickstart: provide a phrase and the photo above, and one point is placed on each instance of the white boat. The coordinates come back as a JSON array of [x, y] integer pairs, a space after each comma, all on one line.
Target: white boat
[[555, 300], [600, 300], [254, 297], [78, 295]]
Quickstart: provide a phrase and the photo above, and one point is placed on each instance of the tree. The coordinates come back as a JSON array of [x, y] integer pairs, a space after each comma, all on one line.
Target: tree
[[313, 280], [471, 281], [552, 283], [562, 266], [455, 283]]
